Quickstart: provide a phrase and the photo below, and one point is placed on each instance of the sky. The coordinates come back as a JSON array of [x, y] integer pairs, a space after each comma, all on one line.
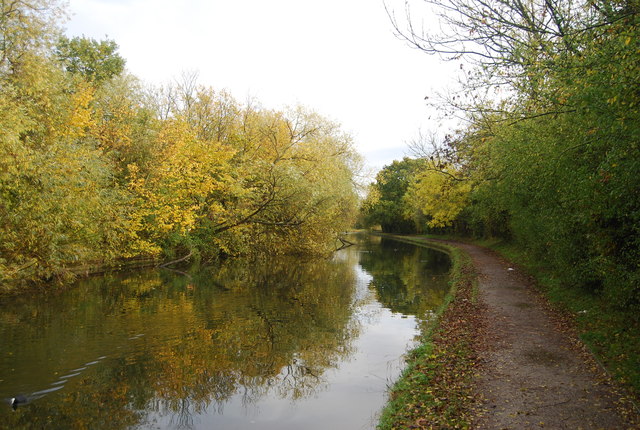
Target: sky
[[339, 58]]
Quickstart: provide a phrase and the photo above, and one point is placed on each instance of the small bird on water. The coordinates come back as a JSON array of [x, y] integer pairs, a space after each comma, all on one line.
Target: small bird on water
[[18, 400]]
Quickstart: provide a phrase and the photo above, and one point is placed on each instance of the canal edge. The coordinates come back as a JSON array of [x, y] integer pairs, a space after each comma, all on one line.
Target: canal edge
[[436, 388]]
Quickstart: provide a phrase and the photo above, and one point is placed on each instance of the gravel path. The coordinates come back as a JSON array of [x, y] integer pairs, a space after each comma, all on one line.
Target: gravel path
[[533, 372]]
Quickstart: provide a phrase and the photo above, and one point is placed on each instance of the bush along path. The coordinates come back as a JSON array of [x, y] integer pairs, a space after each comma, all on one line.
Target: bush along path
[[500, 358]]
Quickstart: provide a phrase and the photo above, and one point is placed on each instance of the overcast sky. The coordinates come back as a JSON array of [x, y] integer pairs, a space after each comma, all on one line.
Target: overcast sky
[[337, 57]]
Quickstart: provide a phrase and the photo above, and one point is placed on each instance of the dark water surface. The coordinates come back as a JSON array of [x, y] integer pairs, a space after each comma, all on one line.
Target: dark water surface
[[278, 344]]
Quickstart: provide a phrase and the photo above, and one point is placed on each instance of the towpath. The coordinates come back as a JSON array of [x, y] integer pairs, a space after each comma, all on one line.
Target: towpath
[[534, 373]]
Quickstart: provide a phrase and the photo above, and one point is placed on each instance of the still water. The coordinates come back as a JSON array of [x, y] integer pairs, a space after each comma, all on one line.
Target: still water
[[277, 344]]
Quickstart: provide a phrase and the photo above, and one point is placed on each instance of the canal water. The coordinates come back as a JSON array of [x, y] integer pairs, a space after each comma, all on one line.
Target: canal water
[[273, 344]]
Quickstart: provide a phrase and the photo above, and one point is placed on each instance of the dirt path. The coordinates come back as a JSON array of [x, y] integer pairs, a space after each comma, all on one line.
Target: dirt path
[[533, 374]]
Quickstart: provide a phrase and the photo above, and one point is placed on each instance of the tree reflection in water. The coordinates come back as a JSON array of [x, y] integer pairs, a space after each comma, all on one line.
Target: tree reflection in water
[[269, 328], [408, 279], [179, 347]]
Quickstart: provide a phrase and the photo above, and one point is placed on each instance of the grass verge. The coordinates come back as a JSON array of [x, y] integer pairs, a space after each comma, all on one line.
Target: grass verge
[[435, 389]]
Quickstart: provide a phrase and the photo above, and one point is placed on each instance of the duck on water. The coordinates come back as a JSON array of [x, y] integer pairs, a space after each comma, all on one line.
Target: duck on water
[[18, 400]]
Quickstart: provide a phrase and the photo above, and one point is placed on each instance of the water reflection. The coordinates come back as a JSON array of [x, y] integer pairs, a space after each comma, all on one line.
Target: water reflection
[[219, 346], [408, 279]]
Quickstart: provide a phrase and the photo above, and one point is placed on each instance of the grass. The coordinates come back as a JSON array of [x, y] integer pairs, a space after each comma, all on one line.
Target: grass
[[435, 389]]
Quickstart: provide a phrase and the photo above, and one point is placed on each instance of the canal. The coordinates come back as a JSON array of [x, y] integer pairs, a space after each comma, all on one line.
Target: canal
[[277, 343]]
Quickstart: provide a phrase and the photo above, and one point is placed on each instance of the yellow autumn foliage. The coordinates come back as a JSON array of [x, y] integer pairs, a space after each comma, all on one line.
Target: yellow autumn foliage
[[99, 170], [80, 119], [439, 194], [182, 185]]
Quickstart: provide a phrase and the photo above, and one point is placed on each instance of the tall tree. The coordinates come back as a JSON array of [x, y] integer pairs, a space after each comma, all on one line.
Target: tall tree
[[94, 61], [28, 29], [385, 204], [556, 155]]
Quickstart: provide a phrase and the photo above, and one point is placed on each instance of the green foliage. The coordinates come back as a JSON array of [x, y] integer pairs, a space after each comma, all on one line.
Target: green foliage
[[27, 30], [555, 165], [385, 204], [94, 61]]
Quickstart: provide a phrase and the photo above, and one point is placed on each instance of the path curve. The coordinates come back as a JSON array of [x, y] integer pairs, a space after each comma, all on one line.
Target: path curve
[[532, 373]]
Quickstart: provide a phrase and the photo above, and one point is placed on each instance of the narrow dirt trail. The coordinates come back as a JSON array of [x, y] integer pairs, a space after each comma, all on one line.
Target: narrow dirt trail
[[532, 373]]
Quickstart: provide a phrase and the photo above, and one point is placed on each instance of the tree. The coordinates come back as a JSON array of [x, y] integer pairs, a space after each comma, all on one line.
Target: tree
[[93, 169], [27, 30], [297, 171], [555, 157], [182, 188], [514, 45], [438, 195], [386, 204], [94, 61]]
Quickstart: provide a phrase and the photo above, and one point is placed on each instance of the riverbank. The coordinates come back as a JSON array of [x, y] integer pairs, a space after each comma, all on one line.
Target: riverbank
[[500, 357], [435, 390], [72, 273]]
